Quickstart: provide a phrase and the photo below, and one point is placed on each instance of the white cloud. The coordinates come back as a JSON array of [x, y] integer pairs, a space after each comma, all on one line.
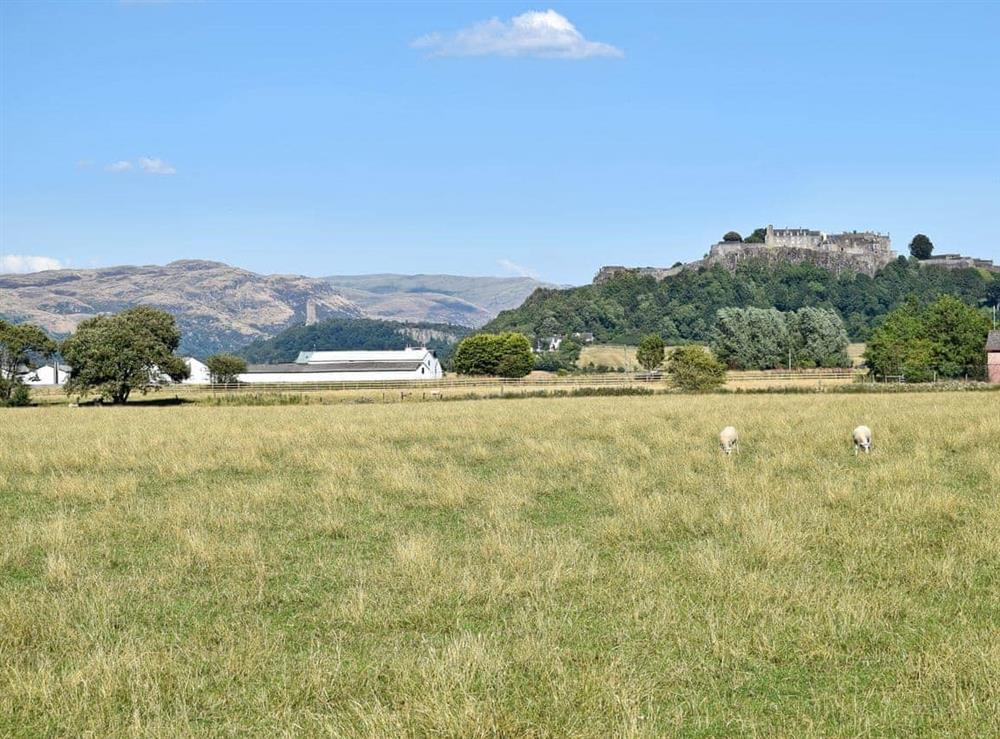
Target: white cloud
[[121, 166], [23, 263], [545, 34], [517, 269], [155, 166]]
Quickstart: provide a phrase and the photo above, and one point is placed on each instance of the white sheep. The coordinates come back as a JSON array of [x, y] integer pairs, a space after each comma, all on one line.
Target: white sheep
[[729, 440], [862, 439]]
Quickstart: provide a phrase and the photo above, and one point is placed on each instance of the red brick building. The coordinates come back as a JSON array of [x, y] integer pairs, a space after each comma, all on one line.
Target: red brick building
[[993, 356]]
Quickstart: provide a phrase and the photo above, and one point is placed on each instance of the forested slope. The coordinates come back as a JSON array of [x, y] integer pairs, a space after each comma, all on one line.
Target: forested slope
[[352, 334], [683, 307]]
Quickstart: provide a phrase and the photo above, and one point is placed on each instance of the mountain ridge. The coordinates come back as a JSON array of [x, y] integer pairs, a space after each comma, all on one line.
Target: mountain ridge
[[441, 298], [220, 307]]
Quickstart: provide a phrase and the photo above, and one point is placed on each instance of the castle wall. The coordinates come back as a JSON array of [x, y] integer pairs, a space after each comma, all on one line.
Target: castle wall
[[854, 251], [835, 260], [956, 261]]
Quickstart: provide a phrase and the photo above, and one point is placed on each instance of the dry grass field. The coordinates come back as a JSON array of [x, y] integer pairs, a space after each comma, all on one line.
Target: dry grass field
[[608, 355], [537, 567]]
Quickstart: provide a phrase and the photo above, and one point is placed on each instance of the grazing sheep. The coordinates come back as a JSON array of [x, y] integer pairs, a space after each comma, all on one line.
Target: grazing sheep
[[862, 439], [729, 440]]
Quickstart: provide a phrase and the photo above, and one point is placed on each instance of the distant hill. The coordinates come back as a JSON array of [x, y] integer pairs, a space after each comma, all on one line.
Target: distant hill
[[221, 308], [681, 307], [217, 306], [467, 301], [352, 333]]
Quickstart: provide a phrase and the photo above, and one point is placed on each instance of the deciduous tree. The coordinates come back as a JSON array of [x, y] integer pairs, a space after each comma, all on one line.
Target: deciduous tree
[[20, 345], [945, 339], [818, 338], [921, 247], [694, 369], [114, 355], [225, 368], [503, 355], [649, 354], [751, 338]]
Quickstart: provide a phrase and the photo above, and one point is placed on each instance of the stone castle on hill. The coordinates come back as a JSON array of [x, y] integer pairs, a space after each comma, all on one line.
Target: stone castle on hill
[[853, 251]]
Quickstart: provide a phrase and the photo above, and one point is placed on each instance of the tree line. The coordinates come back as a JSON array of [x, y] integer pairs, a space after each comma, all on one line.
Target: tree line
[[355, 334], [682, 308], [113, 356]]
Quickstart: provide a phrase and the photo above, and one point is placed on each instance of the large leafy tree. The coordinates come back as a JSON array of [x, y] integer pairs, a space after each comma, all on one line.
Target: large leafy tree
[[921, 247], [818, 338], [649, 354], [694, 369], [225, 369], [20, 345], [506, 354], [944, 339], [115, 355], [751, 338]]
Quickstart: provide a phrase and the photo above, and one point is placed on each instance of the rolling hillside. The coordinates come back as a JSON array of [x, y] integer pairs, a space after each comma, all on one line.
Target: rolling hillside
[[216, 306], [455, 299], [221, 308]]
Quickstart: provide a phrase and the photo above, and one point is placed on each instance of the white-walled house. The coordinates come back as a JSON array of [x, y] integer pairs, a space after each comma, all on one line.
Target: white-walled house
[[50, 374], [199, 372], [350, 366]]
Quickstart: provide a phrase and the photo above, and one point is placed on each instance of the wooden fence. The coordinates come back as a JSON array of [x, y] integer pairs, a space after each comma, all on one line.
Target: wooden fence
[[618, 379]]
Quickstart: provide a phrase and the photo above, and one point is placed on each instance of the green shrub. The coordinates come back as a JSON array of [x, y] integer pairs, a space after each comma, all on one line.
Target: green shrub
[[503, 355], [694, 369]]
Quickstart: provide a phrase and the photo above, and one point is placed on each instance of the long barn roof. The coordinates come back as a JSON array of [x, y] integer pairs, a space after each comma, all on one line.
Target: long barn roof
[[355, 366], [390, 355]]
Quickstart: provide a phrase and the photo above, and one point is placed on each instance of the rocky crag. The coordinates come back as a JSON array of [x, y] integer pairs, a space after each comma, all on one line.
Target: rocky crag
[[853, 251]]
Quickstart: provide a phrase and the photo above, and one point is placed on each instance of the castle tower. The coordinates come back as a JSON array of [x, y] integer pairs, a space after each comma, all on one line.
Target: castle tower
[[310, 312]]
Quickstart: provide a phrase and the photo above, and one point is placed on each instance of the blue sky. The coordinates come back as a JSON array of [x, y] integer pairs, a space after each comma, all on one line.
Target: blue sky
[[324, 138]]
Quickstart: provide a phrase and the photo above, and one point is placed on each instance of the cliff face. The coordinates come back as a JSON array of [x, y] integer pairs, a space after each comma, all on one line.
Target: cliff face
[[731, 255]]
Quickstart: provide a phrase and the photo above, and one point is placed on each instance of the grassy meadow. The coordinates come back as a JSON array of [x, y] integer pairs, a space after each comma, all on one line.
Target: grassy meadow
[[536, 567], [608, 355]]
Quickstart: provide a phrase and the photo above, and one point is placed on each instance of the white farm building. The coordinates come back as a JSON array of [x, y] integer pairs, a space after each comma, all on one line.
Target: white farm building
[[199, 374], [50, 374], [353, 366]]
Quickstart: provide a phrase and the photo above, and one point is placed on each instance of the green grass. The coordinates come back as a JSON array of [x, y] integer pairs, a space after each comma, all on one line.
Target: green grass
[[549, 567]]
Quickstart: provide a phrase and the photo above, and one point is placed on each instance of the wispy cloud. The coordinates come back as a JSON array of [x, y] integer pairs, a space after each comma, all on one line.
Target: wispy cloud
[[517, 269], [155, 166], [149, 165], [545, 34], [24, 263]]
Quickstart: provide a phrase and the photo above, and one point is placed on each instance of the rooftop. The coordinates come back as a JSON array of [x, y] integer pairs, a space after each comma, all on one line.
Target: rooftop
[[352, 366], [993, 341], [396, 355]]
